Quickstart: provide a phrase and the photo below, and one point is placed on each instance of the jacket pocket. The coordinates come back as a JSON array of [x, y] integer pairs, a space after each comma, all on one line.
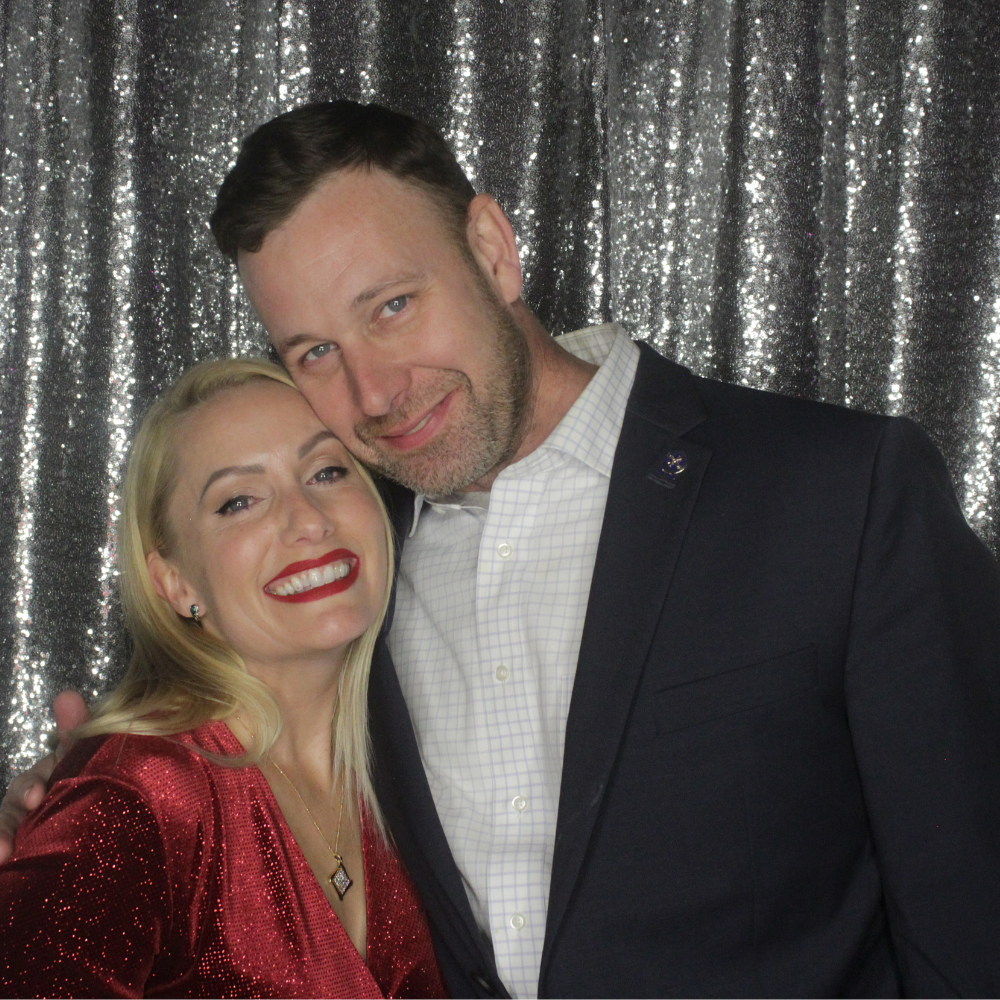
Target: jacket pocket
[[737, 690]]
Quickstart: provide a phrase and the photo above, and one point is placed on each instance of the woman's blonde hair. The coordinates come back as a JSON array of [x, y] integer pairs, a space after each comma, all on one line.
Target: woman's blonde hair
[[180, 676]]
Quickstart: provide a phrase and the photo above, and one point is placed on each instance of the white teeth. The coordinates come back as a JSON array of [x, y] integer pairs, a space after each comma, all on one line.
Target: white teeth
[[420, 426], [311, 578]]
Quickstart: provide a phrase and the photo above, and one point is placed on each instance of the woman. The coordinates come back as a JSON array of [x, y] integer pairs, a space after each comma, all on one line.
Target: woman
[[214, 831]]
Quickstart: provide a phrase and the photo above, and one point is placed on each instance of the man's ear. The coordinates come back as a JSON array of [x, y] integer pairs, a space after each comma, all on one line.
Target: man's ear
[[170, 584], [494, 247]]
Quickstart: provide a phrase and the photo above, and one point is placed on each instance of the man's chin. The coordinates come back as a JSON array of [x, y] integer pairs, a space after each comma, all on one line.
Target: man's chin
[[433, 483], [426, 473]]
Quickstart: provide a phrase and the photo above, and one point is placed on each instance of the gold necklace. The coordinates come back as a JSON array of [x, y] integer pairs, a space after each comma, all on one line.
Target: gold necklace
[[340, 880]]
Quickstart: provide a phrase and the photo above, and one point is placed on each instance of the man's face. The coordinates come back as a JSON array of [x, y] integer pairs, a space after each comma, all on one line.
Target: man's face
[[403, 350]]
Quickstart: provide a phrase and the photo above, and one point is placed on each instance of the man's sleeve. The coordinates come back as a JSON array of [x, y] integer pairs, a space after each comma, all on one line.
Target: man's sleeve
[[923, 697], [85, 898]]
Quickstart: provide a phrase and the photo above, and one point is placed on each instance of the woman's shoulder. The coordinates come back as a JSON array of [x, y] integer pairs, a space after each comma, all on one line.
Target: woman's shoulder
[[167, 772], [161, 792], [137, 756], [134, 821]]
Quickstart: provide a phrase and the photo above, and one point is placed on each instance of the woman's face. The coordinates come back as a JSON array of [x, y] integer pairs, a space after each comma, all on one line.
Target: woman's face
[[277, 538]]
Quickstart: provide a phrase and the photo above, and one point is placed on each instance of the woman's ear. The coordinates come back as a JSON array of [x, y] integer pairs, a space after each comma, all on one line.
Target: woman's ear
[[494, 247], [170, 584]]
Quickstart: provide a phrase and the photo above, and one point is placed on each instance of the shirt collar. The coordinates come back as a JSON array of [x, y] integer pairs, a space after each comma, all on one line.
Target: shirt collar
[[477, 501], [590, 429]]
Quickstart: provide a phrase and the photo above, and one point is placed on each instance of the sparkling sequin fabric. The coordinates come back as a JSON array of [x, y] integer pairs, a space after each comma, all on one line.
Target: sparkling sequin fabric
[[802, 196], [151, 871]]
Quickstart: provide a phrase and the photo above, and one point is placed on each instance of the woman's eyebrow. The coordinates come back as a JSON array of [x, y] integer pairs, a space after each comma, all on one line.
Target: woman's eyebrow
[[319, 436], [239, 470], [230, 470]]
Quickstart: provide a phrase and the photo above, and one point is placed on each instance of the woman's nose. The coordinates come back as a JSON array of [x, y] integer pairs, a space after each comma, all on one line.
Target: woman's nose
[[304, 521]]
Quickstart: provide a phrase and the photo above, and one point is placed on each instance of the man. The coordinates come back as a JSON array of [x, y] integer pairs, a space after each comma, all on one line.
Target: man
[[689, 689]]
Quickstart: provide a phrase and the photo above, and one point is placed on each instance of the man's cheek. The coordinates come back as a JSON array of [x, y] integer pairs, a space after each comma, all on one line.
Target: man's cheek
[[336, 418], [367, 452]]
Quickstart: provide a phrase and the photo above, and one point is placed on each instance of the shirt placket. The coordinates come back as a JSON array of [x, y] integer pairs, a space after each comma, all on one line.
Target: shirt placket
[[516, 874]]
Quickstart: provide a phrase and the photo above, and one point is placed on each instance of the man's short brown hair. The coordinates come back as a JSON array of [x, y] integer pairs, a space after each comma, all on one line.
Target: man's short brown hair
[[282, 161]]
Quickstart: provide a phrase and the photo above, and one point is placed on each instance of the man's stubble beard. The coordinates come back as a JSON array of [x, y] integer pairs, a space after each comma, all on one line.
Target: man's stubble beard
[[492, 428]]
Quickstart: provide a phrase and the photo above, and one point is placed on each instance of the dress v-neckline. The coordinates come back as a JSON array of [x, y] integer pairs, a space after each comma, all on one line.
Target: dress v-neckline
[[305, 877]]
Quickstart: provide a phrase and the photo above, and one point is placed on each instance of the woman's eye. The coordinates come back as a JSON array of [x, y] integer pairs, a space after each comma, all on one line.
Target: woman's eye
[[235, 505], [329, 474], [396, 305], [317, 352]]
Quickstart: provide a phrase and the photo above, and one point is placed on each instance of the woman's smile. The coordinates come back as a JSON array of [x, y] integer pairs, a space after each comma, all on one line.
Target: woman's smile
[[314, 579]]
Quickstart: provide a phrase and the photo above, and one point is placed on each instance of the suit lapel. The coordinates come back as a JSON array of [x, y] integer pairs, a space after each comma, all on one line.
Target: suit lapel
[[654, 484]]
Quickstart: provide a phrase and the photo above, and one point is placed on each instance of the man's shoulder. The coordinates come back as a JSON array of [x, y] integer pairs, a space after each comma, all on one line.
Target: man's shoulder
[[729, 409]]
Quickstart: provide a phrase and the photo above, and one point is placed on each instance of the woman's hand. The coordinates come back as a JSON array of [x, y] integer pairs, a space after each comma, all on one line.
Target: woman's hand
[[26, 790]]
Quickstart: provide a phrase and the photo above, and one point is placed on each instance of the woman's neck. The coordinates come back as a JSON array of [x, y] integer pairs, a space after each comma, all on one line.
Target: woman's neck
[[307, 696], [320, 811]]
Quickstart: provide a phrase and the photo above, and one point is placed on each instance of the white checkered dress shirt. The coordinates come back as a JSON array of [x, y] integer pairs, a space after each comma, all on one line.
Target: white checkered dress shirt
[[490, 606]]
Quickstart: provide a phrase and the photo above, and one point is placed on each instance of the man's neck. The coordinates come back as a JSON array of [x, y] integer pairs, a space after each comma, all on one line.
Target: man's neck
[[558, 379]]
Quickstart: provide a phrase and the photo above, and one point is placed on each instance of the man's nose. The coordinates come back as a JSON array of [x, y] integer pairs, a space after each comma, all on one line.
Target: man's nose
[[377, 383]]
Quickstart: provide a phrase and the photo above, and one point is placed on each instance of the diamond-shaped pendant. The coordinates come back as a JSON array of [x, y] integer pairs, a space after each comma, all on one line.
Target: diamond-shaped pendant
[[340, 880]]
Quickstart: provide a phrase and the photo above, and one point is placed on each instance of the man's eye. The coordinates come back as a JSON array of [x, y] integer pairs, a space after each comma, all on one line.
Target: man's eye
[[235, 505], [317, 352], [329, 474], [396, 305]]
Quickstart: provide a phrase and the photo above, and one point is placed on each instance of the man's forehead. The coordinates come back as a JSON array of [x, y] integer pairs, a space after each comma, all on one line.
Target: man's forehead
[[367, 197], [354, 223]]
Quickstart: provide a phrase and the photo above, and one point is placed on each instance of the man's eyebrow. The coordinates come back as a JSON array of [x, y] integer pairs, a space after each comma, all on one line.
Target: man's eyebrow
[[319, 436], [286, 345], [376, 290], [230, 470]]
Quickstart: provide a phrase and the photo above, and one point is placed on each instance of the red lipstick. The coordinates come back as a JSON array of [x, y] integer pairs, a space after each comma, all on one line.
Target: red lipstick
[[325, 589]]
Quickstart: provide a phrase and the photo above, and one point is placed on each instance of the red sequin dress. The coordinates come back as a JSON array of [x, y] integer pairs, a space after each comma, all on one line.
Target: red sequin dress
[[151, 871]]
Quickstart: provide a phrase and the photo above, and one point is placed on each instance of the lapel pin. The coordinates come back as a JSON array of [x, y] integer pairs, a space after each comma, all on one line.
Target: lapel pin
[[669, 468]]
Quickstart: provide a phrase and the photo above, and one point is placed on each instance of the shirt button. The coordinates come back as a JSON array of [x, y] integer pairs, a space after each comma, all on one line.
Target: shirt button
[[517, 921], [504, 551], [503, 673], [519, 802]]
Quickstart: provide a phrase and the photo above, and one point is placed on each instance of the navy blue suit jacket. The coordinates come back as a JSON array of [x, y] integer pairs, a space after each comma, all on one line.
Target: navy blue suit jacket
[[782, 756]]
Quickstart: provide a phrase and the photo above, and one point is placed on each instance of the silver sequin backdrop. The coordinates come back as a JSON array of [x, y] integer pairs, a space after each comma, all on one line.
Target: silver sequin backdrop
[[795, 194]]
